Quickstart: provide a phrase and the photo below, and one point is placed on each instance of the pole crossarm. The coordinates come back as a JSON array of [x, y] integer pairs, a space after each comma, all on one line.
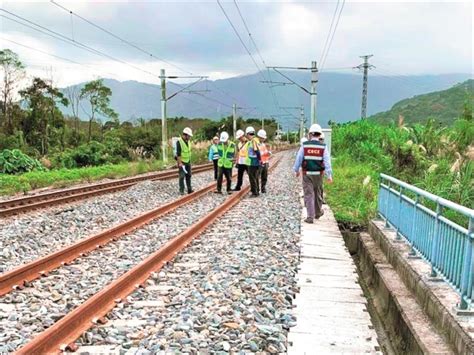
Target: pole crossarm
[[186, 87], [292, 81]]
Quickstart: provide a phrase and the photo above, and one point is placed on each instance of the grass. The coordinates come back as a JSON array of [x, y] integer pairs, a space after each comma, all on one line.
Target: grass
[[12, 184]]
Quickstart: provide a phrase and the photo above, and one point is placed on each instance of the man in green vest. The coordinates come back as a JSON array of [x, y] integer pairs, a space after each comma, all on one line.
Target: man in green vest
[[183, 156], [225, 163]]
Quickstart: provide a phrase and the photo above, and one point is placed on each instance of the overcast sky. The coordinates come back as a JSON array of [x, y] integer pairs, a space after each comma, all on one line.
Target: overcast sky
[[404, 37]]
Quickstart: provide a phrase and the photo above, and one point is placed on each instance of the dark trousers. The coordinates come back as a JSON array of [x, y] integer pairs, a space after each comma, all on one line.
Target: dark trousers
[[254, 172], [313, 195], [264, 176], [183, 176], [227, 172], [241, 169], [216, 168]]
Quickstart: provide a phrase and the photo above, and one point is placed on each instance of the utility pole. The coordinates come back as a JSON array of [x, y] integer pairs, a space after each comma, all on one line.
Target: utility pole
[[314, 81], [365, 67], [234, 119], [164, 100], [164, 129], [302, 122]]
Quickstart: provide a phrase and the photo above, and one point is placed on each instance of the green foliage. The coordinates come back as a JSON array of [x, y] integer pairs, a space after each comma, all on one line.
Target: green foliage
[[15, 162], [443, 106]]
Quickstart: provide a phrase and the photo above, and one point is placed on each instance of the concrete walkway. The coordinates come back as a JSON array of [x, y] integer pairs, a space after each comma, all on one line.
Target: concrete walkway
[[331, 313]]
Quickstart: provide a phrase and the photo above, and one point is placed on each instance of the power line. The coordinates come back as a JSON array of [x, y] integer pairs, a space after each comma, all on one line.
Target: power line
[[329, 32], [332, 36], [71, 41], [119, 38]]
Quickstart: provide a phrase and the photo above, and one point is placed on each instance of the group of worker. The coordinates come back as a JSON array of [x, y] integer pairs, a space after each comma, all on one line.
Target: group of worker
[[250, 154]]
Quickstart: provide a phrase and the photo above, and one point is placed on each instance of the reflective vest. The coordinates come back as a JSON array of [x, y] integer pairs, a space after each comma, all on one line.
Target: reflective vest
[[252, 149], [264, 153], [214, 152], [226, 155], [185, 150], [243, 154], [313, 163]]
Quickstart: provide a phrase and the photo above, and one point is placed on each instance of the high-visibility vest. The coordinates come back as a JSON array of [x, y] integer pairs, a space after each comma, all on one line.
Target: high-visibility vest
[[252, 148], [313, 162], [264, 153], [226, 155], [215, 152], [243, 153], [185, 150]]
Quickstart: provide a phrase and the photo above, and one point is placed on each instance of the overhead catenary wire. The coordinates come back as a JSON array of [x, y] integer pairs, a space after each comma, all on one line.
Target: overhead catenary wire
[[329, 32], [323, 62], [151, 55]]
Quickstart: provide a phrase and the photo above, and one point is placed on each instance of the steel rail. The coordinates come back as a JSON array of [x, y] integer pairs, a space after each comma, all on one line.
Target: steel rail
[[61, 335], [23, 204], [16, 278]]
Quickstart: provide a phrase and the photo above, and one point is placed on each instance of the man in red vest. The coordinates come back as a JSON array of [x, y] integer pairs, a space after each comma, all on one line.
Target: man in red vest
[[314, 159]]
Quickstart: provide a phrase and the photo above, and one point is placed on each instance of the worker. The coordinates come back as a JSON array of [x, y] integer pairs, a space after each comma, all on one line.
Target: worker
[[314, 159], [241, 158], [226, 151], [214, 155], [183, 156], [253, 160], [264, 159]]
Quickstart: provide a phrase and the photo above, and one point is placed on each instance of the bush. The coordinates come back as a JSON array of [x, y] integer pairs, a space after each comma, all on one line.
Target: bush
[[15, 162]]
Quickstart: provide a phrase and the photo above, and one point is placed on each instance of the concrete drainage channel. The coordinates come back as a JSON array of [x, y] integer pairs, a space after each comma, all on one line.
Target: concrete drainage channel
[[411, 313]]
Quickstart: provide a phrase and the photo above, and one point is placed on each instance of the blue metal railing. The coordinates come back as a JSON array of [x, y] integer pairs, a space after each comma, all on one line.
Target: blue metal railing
[[447, 246]]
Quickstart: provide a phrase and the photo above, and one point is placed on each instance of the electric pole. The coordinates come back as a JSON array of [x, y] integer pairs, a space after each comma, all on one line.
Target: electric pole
[[302, 122], [164, 100], [365, 67], [234, 119], [164, 130], [314, 80]]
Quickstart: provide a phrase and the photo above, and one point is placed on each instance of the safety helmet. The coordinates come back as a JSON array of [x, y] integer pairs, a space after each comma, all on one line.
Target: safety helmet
[[188, 131], [315, 128], [239, 134], [224, 137], [262, 134], [304, 139], [249, 129]]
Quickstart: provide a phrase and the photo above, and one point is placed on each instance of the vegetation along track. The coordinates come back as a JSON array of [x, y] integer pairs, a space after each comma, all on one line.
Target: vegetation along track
[[69, 286], [28, 203]]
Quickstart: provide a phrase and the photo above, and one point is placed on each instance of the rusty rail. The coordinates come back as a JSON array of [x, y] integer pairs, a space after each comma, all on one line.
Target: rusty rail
[[61, 335], [28, 203], [17, 277]]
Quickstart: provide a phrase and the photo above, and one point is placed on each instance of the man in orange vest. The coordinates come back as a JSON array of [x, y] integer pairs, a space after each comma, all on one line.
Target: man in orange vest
[[241, 159], [264, 159]]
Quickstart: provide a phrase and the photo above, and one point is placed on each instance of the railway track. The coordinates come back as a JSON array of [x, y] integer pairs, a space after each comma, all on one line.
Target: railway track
[[29, 203], [66, 330]]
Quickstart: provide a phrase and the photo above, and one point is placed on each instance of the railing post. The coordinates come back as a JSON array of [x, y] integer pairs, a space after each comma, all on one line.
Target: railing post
[[386, 205], [398, 237], [435, 245], [415, 206], [468, 266]]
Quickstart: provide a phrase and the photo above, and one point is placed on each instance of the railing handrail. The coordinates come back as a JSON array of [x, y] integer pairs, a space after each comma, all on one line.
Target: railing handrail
[[468, 212]]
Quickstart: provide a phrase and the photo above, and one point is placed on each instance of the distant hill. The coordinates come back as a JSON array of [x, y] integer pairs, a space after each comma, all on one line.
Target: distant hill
[[444, 106], [339, 96]]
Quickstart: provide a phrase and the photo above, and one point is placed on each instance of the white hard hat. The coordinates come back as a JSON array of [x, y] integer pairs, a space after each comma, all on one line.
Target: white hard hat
[[188, 131], [262, 134], [315, 128], [239, 134], [304, 139], [224, 137], [249, 129]]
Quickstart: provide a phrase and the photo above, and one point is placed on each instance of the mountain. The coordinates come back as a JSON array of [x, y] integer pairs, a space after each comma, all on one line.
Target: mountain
[[339, 96], [444, 106]]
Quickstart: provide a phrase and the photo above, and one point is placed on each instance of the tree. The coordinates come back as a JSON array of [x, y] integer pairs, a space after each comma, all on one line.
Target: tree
[[98, 96], [73, 94], [13, 72], [42, 99]]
